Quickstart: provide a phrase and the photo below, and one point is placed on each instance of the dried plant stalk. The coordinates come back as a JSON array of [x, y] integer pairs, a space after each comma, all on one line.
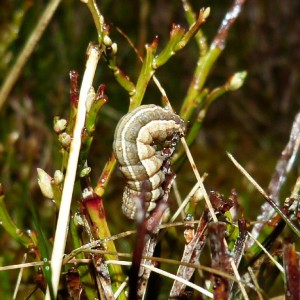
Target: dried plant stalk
[[63, 217]]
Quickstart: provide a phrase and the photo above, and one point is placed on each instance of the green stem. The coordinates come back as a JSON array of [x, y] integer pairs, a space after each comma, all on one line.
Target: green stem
[[98, 18], [146, 73], [175, 37], [83, 270], [203, 68], [109, 49], [8, 224], [105, 176], [27, 50], [191, 19], [96, 212]]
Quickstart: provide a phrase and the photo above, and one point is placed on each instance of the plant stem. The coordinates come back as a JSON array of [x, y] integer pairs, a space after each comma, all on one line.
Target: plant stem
[[27, 50], [83, 270], [64, 212], [7, 223]]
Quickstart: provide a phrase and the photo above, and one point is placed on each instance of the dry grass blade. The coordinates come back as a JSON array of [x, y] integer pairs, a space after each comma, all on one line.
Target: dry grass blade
[[252, 275], [263, 193], [167, 274], [210, 208], [282, 168], [278, 265], [23, 265], [19, 278], [199, 179], [184, 202], [63, 217], [96, 243], [27, 50], [121, 288]]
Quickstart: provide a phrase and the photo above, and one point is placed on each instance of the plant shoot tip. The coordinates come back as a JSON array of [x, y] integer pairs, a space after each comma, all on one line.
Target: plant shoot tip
[[206, 12]]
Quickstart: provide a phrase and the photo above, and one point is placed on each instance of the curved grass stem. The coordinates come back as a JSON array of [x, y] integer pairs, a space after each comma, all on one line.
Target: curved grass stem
[[64, 212], [27, 50]]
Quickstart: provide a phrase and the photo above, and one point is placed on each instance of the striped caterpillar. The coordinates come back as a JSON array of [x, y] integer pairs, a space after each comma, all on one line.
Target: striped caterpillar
[[140, 148]]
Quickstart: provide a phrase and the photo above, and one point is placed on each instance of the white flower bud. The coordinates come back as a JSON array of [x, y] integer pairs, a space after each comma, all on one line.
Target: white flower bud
[[206, 12], [114, 48], [107, 41], [60, 125], [236, 81], [58, 177], [65, 139], [44, 181]]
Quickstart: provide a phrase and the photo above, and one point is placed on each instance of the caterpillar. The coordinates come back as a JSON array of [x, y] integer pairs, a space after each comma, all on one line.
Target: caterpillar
[[144, 140]]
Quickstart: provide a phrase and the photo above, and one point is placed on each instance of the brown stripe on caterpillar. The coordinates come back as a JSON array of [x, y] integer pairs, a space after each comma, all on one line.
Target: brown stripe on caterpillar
[[138, 146]]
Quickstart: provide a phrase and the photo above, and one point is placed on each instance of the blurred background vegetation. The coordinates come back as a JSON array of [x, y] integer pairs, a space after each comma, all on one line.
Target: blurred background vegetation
[[253, 123]]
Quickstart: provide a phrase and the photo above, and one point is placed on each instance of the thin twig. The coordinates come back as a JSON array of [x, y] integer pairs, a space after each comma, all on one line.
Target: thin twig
[[178, 199], [252, 276], [230, 17], [32, 41], [263, 193], [199, 179], [237, 276], [121, 288], [283, 167], [277, 264], [23, 265], [167, 274], [96, 243], [185, 202], [63, 217], [128, 255], [210, 208], [19, 278]]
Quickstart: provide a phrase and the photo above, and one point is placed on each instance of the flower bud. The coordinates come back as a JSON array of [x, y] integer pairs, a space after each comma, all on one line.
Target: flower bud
[[236, 81], [107, 41], [58, 177], [85, 171], [60, 125], [65, 139], [44, 182], [206, 13], [114, 48]]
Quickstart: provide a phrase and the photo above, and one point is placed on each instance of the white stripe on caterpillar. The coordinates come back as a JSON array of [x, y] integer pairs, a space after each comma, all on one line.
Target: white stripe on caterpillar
[[139, 139]]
